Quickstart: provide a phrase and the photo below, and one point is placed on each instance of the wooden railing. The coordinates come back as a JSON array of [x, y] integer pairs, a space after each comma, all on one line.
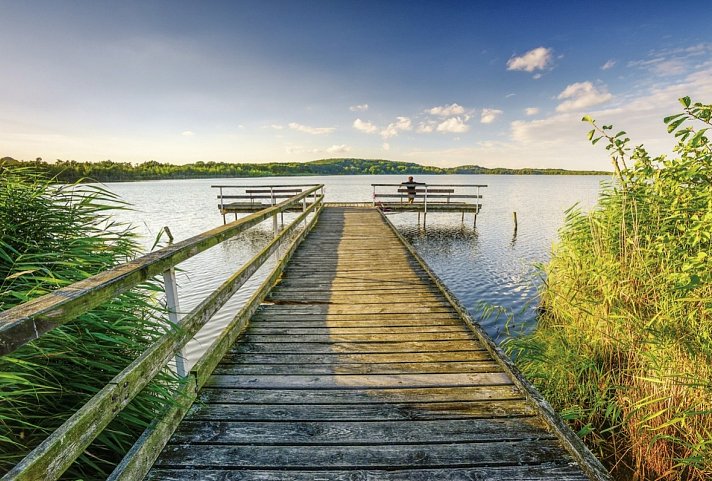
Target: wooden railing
[[251, 197], [30, 320], [423, 193]]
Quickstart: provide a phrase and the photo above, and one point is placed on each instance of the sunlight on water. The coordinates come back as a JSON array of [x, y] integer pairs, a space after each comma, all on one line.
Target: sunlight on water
[[484, 265]]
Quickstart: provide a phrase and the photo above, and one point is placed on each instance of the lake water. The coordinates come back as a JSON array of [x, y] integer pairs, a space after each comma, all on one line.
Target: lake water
[[486, 265]]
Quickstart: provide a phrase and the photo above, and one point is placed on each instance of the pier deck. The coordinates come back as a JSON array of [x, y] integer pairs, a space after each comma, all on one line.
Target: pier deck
[[358, 367]]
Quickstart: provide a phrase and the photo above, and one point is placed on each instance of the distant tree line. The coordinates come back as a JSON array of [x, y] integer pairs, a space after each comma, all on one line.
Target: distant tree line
[[109, 171]]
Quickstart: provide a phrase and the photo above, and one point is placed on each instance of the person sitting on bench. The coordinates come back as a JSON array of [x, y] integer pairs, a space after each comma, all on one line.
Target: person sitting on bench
[[410, 188]]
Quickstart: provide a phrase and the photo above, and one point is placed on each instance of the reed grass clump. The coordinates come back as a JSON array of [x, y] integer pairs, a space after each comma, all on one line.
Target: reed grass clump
[[623, 348], [52, 236]]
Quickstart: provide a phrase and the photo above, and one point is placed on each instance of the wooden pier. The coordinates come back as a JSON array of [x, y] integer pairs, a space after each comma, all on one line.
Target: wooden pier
[[351, 362], [358, 367]]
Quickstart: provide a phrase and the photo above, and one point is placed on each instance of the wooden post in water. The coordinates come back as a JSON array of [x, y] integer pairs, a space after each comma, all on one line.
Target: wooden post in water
[[515, 222]]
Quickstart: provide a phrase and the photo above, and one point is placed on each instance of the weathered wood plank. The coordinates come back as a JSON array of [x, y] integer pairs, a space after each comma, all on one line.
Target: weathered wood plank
[[346, 396], [325, 330], [353, 323], [562, 470], [359, 337], [377, 456], [368, 368], [359, 432], [358, 381], [356, 347], [358, 309], [340, 358], [263, 315], [356, 298]]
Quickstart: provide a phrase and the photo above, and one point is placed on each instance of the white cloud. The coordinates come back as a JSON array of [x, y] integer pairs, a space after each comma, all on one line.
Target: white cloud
[[400, 125], [581, 95], [386, 146], [359, 108], [187, 133], [311, 130], [536, 59], [447, 110], [297, 149], [453, 125], [334, 149], [277, 126], [426, 127], [489, 115], [338, 149], [608, 65], [673, 61], [364, 126], [531, 111], [662, 67]]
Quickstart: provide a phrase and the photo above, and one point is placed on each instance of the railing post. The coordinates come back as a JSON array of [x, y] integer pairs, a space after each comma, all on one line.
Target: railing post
[[275, 225], [425, 200], [374, 196], [171, 287], [169, 280], [222, 206]]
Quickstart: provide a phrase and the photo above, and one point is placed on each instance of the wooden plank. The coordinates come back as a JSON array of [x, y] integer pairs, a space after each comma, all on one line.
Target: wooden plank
[[345, 358], [326, 330], [332, 323], [562, 470], [359, 432], [358, 368], [386, 456], [335, 338], [356, 347], [350, 396], [368, 412], [358, 381], [357, 309], [358, 298]]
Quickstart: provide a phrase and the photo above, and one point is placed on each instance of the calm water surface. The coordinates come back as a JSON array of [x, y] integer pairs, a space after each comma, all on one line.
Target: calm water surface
[[487, 265]]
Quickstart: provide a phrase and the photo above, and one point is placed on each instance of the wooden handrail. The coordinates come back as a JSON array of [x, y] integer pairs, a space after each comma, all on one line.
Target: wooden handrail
[[144, 452], [262, 186], [430, 185], [30, 320], [57, 452]]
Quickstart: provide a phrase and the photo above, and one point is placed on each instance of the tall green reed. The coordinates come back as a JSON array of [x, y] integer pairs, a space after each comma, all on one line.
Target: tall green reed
[[624, 344], [52, 236]]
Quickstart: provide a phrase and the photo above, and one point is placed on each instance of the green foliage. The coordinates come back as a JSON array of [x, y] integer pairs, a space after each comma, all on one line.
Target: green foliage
[[624, 344], [52, 236], [107, 171]]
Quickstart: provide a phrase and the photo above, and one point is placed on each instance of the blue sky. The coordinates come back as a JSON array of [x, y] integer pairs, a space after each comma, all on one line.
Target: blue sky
[[438, 83]]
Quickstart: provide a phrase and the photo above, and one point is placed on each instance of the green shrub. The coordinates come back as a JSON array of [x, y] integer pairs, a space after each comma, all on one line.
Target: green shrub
[[623, 348], [50, 237]]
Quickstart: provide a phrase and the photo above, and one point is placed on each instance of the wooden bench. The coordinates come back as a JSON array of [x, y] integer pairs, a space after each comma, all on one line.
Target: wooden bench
[[436, 194]]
